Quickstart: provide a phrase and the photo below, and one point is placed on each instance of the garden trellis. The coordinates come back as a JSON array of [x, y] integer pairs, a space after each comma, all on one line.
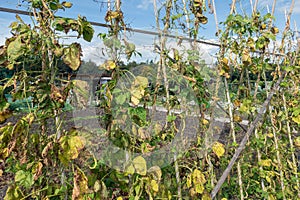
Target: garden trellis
[[258, 77]]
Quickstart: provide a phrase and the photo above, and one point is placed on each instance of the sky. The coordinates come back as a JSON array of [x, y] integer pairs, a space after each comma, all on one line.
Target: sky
[[139, 14]]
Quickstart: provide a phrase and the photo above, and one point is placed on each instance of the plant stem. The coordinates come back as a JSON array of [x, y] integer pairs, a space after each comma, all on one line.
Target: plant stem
[[243, 143], [291, 143], [232, 127]]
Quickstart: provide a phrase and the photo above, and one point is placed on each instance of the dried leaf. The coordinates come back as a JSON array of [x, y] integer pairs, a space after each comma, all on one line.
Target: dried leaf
[[155, 171], [80, 185], [37, 170]]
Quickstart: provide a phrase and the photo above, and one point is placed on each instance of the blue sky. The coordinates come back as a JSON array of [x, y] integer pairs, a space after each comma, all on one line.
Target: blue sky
[[139, 14]]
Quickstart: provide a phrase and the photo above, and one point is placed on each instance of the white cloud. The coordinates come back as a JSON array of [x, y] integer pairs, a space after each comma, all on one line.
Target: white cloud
[[3, 36], [93, 52], [281, 5], [145, 45], [144, 5]]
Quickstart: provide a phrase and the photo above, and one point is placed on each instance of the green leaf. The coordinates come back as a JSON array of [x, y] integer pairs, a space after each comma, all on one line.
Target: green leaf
[[129, 49], [175, 17], [120, 99], [140, 165], [24, 178], [15, 49], [71, 56], [86, 29], [53, 6], [112, 43], [268, 16], [138, 112], [171, 118]]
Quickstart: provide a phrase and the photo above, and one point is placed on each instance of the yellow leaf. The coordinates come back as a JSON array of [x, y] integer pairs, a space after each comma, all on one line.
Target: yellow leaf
[[154, 185], [224, 199], [268, 179], [135, 101], [137, 93], [10, 66], [108, 65], [13, 193], [111, 64], [4, 153], [71, 56], [70, 147], [218, 149], [129, 169], [138, 89], [198, 177], [199, 188], [297, 142], [270, 197], [141, 81], [274, 30], [225, 61], [1, 172], [67, 4], [119, 198], [77, 142], [265, 163], [140, 165], [205, 122], [263, 26], [237, 118], [297, 119], [222, 72], [206, 196]]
